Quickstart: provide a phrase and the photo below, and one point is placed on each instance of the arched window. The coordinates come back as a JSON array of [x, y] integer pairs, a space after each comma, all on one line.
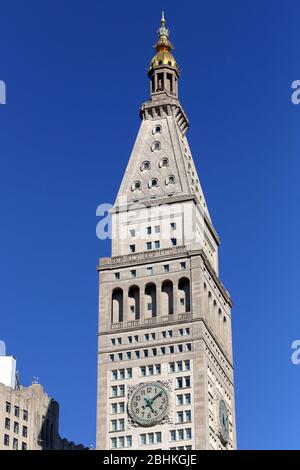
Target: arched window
[[170, 179], [157, 129], [167, 306], [153, 183], [135, 186], [150, 299], [164, 162], [134, 302], [117, 306], [184, 294], [145, 166], [155, 146]]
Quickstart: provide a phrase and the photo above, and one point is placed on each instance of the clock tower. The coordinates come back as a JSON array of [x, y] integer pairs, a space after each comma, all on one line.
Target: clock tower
[[165, 367]]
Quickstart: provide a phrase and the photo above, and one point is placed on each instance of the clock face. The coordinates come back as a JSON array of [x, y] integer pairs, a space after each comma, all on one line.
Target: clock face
[[149, 403], [224, 421]]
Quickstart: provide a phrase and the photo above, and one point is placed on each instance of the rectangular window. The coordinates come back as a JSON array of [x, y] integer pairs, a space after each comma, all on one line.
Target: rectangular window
[[188, 433], [173, 241], [179, 366], [114, 391], [179, 382], [187, 365], [132, 248], [172, 435], [146, 353], [163, 350], [166, 268], [189, 347], [133, 273], [114, 375], [7, 407], [180, 434], [172, 367], [148, 230], [188, 416], [143, 439], [170, 333], [152, 335], [180, 417], [117, 276], [111, 357], [113, 425], [120, 356], [24, 446], [7, 423], [158, 437], [183, 265], [157, 369], [121, 424], [157, 244], [187, 397], [137, 354], [179, 400], [171, 349], [113, 443], [143, 371], [128, 441], [150, 370], [149, 271], [146, 337], [173, 225], [132, 232], [15, 444], [129, 373], [151, 438], [16, 427], [187, 381], [122, 374], [154, 352], [6, 440], [122, 391], [17, 411], [180, 348], [157, 229], [122, 407], [136, 339], [149, 245], [114, 408]]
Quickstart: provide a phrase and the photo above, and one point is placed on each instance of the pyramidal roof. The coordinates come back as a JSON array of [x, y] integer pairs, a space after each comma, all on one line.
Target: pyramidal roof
[[161, 164]]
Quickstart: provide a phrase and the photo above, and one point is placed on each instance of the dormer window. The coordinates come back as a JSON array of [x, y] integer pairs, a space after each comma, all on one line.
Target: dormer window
[[153, 183], [157, 129], [145, 166], [155, 146], [135, 186], [164, 162], [170, 179]]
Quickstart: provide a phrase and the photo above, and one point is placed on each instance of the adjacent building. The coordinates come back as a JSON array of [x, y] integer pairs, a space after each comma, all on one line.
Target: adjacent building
[[28, 416], [165, 365]]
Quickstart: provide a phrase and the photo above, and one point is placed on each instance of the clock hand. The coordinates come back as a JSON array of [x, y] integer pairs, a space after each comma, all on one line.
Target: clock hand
[[156, 396], [148, 403]]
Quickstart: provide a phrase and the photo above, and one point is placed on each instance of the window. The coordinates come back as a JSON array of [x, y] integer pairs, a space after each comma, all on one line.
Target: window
[[188, 416], [113, 442], [173, 226], [172, 367], [149, 245], [180, 434], [113, 425], [121, 424], [143, 371], [16, 427], [188, 346], [132, 248], [145, 166], [117, 276], [157, 229], [114, 375], [183, 265], [6, 440], [152, 335], [135, 186], [164, 162], [128, 354], [184, 331], [132, 232], [143, 439], [174, 241], [157, 244], [122, 374], [114, 391], [122, 390], [149, 307], [120, 356], [122, 407], [170, 180], [112, 357], [7, 423], [187, 365], [172, 435], [149, 270], [153, 183], [158, 437], [145, 352], [114, 408], [171, 349], [149, 230], [128, 441], [163, 351], [166, 268], [155, 146], [187, 398], [7, 407], [180, 348], [180, 417], [129, 373], [179, 400], [133, 273], [24, 446], [17, 411], [188, 433], [151, 438], [137, 354], [154, 352], [157, 369], [157, 129], [15, 444]]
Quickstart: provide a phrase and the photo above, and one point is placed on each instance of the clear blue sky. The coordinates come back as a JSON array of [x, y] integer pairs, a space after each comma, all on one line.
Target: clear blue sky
[[76, 75]]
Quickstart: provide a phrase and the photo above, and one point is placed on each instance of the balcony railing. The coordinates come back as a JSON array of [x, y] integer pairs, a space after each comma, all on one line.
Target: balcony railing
[[152, 321]]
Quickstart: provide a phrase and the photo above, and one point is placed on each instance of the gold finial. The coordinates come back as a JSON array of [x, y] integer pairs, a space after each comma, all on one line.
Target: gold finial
[[163, 47]]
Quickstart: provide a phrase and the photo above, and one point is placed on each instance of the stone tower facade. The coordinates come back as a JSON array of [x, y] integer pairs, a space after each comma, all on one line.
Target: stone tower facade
[[165, 368]]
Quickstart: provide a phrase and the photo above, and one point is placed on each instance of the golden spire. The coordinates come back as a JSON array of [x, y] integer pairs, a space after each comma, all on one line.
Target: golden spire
[[163, 48]]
